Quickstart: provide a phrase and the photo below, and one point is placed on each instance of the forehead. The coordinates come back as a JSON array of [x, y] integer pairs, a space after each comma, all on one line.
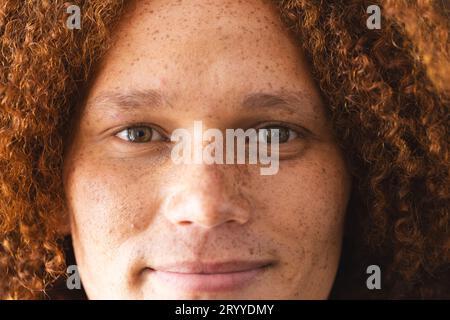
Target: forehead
[[202, 49], [200, 18], [195, 35]]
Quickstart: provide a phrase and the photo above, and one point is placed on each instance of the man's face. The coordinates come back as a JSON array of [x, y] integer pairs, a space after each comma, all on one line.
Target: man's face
[[145, 227]]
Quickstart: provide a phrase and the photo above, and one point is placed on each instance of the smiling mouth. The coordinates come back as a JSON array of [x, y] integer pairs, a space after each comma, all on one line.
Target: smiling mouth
[[208, 277]]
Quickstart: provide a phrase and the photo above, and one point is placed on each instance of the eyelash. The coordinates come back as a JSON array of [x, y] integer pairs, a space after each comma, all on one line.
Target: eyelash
[[300, 131]]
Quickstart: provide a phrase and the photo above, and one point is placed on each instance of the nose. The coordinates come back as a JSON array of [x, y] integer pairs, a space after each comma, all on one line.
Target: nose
[[204, 195]]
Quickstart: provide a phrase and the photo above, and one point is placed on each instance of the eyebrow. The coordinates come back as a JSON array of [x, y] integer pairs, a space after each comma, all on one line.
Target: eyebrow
[[153, 99], [290, 100], [131, 99]]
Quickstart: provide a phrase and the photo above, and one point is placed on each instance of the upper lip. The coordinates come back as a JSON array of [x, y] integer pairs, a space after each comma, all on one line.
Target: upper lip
[[214, 267]]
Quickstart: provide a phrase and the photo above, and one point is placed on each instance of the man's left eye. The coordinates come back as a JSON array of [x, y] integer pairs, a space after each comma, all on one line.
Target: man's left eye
[[140, 134], [283, 133]]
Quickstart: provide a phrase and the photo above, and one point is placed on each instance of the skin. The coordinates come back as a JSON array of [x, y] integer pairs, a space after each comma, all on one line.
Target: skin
[[131, 208]]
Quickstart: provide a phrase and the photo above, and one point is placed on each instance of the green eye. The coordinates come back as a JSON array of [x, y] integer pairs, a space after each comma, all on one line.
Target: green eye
[[284, 134], [139, 134]]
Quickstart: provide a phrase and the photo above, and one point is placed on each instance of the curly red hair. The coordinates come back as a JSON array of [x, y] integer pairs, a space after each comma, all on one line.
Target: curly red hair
[[388, 93]]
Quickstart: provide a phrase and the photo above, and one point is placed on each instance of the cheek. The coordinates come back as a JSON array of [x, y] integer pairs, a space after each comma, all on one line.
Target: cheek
[[110, 200], [305, 205]]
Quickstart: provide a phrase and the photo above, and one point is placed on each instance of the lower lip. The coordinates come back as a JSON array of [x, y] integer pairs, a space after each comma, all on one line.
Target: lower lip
[[207, 282]]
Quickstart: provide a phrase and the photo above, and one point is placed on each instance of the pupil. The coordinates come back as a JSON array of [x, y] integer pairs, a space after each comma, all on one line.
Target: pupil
[[282, 134], [136, 134]]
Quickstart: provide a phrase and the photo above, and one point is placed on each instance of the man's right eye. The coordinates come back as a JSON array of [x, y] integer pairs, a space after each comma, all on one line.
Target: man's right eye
[[140, 134]]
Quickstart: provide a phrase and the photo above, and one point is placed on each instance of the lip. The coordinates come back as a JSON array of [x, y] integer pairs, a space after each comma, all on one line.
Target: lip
[[208, 277]]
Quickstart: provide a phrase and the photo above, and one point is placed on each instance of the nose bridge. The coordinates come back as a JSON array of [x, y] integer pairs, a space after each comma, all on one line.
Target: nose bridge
[[205, 196], [209, 179]]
